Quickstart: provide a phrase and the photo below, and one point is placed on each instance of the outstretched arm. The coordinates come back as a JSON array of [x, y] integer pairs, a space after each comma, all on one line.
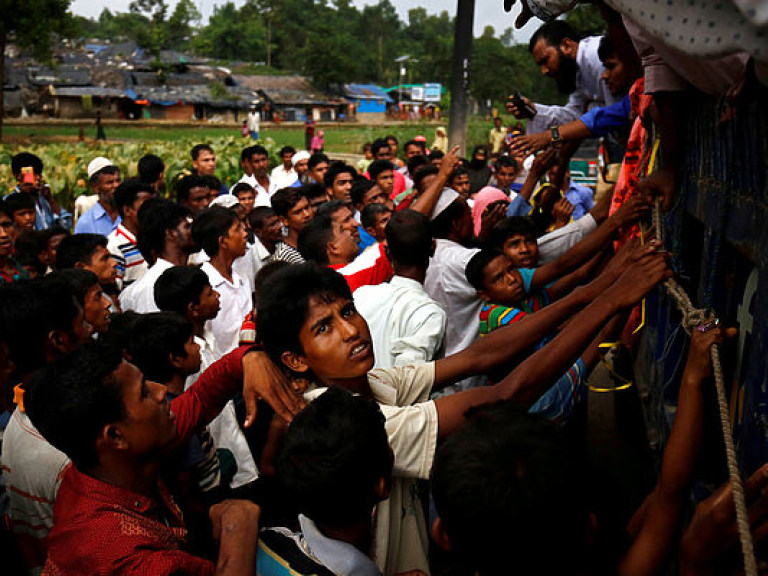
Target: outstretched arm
[[426, 202]]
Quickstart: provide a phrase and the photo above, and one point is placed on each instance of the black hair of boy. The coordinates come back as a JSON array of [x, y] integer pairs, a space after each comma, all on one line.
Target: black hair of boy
[[606, 49], [150, 167], [409, 240], [377, 145], [314, 238], [17, 202], [178, 287], [34, 309], [210, 225], [242, 187], [156, 217], [211, 182], [475, 270], [71, 400], [258, 216], [195, 152], [185, 185], [127, 193], [359, 189], [507, 492], [334, 170], [284, 200], [315, 159], [312, 191], [155, 338], [284, 304], [368, 217], [334, 476], [29, 244], [265, 273], [506, 161], [377, 167], [78, 248], [421, 173], [507, 228], [80, 281], [24, 160]]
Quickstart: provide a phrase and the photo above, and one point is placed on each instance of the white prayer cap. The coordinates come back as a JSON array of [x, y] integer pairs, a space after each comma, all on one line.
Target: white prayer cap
[[447, 196], [299, 156], [98, 163], [225, 201]]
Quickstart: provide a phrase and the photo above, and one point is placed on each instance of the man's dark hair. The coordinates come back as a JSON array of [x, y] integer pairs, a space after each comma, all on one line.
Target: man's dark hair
[[440, 226], [359, 189], [178, 287], [210, 225], [435, 155], [29, 245], [409, 238], [4, 208], [16, 202], [195, 152], [24, 160], [78, 248], [79, 282], [370, 212], [334, 170], [331, 207], [211, 182], [458, 171], [312, 191], [553, 33], [314, 238], [391, 137], [107, 170], [242, 187], [284, 304], [257, 149], [414, 163], [475, 269], [286, 150], [511, 473], [379, 166], [332, 476], [156, 216], [245, 153], [150, 167], [421, 145], [506, 161], [285, 199], [423, 171], [30, 311], [377, 145], [606, 49], [265, 273], [504, 229], [315, 159], [71, 400], [185, 185], [128, 191], [155, 337], [258, 216]]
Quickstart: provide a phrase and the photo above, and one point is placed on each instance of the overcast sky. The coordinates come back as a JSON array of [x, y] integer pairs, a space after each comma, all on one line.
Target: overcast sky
[[487, 12]]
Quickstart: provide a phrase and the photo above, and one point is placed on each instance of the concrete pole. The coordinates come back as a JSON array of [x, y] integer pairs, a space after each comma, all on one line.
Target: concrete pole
[[462, 50]]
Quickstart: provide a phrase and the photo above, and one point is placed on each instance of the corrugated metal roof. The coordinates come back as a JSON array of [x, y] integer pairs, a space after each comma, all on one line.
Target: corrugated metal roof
[[366, 91], [77, 91]]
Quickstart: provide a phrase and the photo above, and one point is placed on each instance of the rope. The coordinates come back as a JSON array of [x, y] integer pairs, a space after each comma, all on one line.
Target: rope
[[693, 317]]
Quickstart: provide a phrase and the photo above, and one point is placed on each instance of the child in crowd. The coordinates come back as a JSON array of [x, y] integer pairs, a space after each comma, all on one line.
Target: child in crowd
[[22, 209], [86, 289], [246, 196], [375, 218], [365, 161]]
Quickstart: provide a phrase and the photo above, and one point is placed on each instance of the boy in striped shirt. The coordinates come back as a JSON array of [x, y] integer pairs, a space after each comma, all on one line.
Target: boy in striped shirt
[[121, 242]]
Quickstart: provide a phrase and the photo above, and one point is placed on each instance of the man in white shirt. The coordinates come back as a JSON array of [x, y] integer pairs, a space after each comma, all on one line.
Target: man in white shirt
[[576, 67], [221, 234], [254, 117], [164, 240], [407, 326], [284, 174]]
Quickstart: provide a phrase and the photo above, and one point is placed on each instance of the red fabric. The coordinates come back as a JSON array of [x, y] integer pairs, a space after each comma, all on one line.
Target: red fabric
[[369, 268], [105, 529]]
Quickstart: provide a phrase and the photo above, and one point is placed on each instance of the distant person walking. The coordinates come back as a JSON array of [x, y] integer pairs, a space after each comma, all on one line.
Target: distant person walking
[[253, 123], [100, 134], [309, 130]]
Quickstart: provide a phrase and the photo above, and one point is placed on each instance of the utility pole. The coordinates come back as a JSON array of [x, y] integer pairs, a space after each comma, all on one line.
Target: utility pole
[[462, 50]]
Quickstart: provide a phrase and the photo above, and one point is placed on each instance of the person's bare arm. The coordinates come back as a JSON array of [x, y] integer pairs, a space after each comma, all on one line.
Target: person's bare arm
[[656, 534], [530, 143], [236, 527], [591, 244], [536, 374], [426, 202], [541, 164]]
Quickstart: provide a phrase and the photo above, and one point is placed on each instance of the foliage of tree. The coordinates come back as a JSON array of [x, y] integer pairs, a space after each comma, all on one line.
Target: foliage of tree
[[30, 24], [586, 20]]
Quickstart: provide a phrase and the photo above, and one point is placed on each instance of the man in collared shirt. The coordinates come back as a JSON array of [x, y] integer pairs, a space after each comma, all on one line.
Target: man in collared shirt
[[222, 235], [121, 243], [576, 67], [103, 218], [27, 168], [407, 326], [164, 240], [284, 174]]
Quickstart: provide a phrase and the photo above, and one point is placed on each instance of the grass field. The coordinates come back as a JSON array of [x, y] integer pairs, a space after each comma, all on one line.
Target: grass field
[[341, 138]]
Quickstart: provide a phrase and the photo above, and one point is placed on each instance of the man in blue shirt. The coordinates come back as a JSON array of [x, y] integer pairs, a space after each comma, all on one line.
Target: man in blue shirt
[[103, 218], [27, 168]]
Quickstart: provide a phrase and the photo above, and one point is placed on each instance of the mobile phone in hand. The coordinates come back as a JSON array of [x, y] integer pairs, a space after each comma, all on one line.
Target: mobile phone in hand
[[525, 109]]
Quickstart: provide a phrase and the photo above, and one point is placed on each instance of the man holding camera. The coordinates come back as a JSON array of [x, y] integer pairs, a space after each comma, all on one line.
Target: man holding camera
[[28, 171]]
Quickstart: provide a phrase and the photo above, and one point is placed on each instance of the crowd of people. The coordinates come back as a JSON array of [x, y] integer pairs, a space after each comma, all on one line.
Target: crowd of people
[[337, 369]]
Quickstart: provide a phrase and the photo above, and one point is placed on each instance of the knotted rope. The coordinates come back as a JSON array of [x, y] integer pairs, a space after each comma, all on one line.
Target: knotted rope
[[692, 318]]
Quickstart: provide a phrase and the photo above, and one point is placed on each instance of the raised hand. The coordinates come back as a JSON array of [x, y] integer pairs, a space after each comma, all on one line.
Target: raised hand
[[263, 380], [529, 143]]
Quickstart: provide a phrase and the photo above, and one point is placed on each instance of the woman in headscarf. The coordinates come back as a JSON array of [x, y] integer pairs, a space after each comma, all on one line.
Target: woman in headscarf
[[485, 201], [441, 140]]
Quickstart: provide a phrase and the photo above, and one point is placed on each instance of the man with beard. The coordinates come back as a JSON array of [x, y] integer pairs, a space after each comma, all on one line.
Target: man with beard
[[576, 67]]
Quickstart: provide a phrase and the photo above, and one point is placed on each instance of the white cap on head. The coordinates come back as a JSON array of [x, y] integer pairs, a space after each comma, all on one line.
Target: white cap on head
[[225, 200], [299, 156], [98, 163], [447, 196]]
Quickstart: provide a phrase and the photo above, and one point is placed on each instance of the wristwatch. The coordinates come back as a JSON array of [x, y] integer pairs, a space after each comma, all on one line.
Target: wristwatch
[[557, 142]]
